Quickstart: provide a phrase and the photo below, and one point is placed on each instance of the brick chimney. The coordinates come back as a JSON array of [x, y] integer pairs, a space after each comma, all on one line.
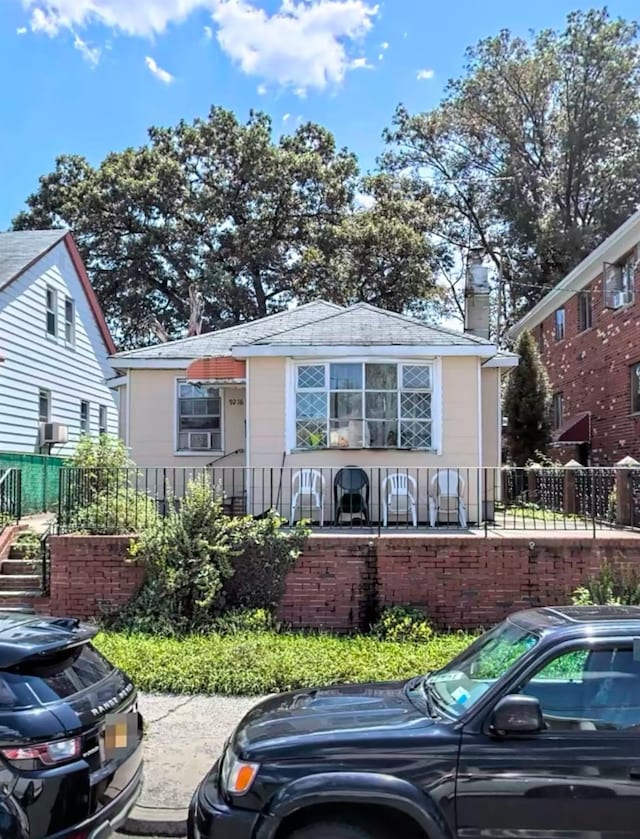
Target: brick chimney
[[477, 310]]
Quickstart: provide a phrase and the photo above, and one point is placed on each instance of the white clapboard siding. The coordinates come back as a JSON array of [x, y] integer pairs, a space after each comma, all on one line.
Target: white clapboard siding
[[33, 360]]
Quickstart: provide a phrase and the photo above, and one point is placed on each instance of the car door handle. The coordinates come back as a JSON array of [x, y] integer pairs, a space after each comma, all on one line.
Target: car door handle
[[634, 773]]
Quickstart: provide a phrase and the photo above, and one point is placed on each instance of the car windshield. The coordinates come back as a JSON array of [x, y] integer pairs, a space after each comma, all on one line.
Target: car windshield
[[459, 685]]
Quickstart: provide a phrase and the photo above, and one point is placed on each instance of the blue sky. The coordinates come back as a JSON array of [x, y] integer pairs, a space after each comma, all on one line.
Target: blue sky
[[77, 81]]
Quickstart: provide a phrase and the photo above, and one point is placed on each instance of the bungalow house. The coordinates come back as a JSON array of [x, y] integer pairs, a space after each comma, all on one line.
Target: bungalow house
[[291, 399], [54, 348], [588, 331]]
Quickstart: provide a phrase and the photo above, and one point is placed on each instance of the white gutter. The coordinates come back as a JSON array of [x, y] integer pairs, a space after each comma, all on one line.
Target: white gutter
[[612, 249], [510, 360], [151, 363], [351, 351]]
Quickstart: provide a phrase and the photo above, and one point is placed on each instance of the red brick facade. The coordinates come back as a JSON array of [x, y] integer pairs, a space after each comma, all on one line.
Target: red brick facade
[[341, 582], [592, 371]]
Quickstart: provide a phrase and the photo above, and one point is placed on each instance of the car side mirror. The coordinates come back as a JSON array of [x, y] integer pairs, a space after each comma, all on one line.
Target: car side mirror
[[517, 714]]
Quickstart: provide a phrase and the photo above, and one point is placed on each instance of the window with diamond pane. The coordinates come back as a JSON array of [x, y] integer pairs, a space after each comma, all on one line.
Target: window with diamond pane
[[311, 377], [416, 377]]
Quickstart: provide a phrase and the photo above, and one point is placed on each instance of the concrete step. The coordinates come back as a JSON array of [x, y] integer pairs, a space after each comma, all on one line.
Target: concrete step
[[21, 566], [20, 551], [20, 582]]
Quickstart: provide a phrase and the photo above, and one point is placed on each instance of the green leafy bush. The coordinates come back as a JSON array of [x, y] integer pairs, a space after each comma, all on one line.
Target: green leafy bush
[[613, 585], [399, 624], [237, 621], [29, 546], [191, 557], [120, 512], [255, 664]]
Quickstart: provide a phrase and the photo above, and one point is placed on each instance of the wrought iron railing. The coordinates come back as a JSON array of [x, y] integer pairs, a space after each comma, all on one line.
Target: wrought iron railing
[[374, 499], [10, 497]]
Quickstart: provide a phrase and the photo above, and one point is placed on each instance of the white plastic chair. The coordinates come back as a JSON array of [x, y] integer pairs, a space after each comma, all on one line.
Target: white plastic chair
[[400, 490], [310, 485], [447, 496]]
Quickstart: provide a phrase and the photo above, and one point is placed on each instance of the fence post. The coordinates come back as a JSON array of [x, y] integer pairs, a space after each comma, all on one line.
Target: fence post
[[570, 501], [624, 490]]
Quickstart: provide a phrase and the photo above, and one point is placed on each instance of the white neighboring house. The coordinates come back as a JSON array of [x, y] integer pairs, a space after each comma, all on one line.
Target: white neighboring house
[[54, 347]]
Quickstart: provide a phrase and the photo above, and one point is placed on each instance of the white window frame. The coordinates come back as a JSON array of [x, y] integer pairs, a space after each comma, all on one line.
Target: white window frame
[[42, 391], [619, 281], [176, 423], [103, 419], [53, 311], [70, 325], [86, 430], [560, 324], [436, 399]]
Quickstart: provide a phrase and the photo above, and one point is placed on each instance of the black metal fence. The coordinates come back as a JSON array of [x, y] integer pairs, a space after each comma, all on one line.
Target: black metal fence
[[10, 497], [352, 497]]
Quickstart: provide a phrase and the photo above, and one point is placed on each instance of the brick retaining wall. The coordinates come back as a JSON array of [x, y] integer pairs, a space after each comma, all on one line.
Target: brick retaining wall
[[340, 582]]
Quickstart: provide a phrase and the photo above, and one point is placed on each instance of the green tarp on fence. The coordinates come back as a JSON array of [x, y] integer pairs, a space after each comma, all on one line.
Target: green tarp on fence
[[40, 480]]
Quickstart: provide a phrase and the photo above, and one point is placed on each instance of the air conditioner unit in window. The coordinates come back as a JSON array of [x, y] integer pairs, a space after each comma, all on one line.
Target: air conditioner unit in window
[[200, 441], [618, 299], [53, 433]]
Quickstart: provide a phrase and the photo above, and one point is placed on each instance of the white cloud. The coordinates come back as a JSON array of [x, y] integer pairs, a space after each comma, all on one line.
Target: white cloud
[[385, 45], [22, 30], [262, 90], [133, 17], [364, 201], [381, 56], [163, 75], [208, 33], [286, 118], [90, 54], [425, 75], [360, 64], [302, 46]]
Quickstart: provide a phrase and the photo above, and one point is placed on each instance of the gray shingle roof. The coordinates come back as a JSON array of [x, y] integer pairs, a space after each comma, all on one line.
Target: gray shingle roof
[[220, 342], [365, 325], [20, 248]]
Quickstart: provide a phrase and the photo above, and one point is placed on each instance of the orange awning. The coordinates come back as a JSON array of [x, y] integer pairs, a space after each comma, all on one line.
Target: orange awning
[[223, 368], [576, 429]]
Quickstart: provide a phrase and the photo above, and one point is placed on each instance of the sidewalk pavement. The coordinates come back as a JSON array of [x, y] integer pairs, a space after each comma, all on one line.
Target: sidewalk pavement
[[185, 735]]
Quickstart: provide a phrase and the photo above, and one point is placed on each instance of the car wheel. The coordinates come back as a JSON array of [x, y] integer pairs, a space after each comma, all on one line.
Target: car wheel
[[334, 830]]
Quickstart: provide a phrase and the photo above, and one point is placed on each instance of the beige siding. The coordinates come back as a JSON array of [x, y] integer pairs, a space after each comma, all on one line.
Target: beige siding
[[491, 417], [152, 424]]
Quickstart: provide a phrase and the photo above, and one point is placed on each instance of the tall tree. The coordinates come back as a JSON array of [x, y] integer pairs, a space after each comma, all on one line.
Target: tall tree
[[527, 404], [213, 223], [534, 153]]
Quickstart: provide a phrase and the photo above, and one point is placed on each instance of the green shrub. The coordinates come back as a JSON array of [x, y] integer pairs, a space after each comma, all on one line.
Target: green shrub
[[6, 520], [120, 512], [398, 623], [190, 559], [255, 664], [29, 545], [613, 585], [237, 621]]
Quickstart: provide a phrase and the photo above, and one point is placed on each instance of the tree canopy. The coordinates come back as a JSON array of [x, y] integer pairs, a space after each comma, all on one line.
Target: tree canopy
[[213, 223], [534, 153]]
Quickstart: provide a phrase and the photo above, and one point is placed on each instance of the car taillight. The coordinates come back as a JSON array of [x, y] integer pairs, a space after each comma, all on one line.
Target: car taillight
[[50, 754]]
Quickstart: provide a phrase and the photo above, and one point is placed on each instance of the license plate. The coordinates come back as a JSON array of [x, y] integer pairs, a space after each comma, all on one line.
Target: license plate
[[119, 736]]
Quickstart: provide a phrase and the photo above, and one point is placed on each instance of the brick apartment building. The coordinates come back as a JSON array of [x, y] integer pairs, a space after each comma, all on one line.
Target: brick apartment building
[[588, 331]]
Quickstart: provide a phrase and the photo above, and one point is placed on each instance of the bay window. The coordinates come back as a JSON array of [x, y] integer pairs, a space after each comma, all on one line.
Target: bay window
[[354, 405]]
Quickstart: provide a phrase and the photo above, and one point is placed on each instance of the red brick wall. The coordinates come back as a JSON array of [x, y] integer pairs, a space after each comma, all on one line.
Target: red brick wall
[[339, 581], [591, 369], [90, 574]]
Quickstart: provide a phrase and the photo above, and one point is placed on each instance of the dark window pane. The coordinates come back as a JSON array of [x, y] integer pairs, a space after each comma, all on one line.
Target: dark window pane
[[383, 435], [415, 406], [415, 435], [346, 377], [312, 405], [346, 405], [311, 434], [200, 423], [382, 405], [635, 388], [51, 323], [381, 376]]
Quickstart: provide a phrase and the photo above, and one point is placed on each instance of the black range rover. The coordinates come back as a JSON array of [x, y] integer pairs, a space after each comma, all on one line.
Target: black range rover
[[70, 732]]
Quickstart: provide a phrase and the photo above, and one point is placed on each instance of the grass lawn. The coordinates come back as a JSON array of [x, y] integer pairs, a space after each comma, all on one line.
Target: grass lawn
[[252, 664]]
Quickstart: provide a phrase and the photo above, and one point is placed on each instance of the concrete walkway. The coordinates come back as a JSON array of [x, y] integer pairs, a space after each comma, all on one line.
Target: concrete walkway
[[185, 735]]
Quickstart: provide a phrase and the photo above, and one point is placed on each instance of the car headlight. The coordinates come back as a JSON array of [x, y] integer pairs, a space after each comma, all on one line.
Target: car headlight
[[237, 776]]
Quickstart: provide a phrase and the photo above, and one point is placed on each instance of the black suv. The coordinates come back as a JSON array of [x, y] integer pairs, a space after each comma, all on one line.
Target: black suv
[[70, 732], [534, 730]]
